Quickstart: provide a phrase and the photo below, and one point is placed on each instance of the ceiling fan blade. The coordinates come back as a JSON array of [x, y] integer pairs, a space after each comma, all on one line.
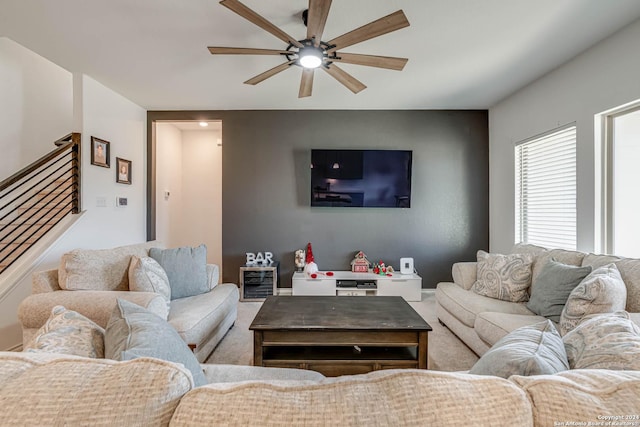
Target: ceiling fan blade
[[384, 25], [317, 18], [269, 73], [389, 62], [306, 83], [258, 20], [353, 84], [246, 51]]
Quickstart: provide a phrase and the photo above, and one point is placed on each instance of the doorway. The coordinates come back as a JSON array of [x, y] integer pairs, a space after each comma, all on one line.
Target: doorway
[[188, 185]]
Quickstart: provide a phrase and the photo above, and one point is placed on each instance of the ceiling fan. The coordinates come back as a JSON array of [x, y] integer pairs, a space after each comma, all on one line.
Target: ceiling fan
[[312, 52]]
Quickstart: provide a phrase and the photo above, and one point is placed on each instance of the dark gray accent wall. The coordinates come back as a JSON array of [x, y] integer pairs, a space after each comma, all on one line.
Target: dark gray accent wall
[[266, 188]]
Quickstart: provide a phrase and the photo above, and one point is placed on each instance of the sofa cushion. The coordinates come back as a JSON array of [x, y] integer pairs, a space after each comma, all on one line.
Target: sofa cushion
[[196, 317], [146, 275], [530, 350], [50, 389], [68, 332], [465, 305], [582, 396], [505, 277], [381, 398], [604, 341], [491, 326], [551, 288], [221, 373], [99, 269], [186, 268], [134, 332], [602, 291]]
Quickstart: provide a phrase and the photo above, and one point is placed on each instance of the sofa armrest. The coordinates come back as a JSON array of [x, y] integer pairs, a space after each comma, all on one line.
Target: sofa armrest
[[34, 310], [213, 275], [44, 281], [464, 274]]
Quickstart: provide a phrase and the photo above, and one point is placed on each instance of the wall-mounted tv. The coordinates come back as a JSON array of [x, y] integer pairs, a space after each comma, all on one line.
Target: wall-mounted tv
[[361, 178]]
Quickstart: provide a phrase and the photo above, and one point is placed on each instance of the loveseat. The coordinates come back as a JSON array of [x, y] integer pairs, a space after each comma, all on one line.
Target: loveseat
[[95, 279], [480, 321], [54, 389]]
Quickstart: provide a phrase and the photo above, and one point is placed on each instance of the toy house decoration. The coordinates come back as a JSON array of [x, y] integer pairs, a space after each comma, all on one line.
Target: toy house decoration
[[360, 263]]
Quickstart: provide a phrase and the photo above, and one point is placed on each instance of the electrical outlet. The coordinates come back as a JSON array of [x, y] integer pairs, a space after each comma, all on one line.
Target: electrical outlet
[[101, 202]]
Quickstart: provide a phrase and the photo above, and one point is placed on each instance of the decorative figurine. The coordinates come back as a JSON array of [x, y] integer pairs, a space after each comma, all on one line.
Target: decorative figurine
[[311, 268], [299, 260], [360, 263]]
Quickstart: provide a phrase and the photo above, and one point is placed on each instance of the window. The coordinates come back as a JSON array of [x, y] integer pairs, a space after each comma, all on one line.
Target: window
[[545, 185], [623, 206]]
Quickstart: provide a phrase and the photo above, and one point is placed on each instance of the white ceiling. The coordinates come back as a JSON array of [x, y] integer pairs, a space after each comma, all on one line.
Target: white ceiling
[[463, 54]]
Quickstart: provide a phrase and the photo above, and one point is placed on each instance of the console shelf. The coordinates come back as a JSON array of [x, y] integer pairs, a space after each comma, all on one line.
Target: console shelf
[[408, 286]]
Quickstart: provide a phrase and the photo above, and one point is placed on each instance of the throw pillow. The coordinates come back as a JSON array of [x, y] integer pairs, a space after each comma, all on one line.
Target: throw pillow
[[604, 341], [146, 275], [68, 332], [530, 350], [134, 332], [186, 269], [505, 277], [551, 288], [602, 291]]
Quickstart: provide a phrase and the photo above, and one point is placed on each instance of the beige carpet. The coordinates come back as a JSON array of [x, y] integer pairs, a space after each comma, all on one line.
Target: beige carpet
[[446, 351]]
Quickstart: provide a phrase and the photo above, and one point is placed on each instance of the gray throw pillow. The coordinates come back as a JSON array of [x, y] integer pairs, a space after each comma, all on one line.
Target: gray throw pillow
[[186, 269], [530, 350], [134, 332], [551, 288]]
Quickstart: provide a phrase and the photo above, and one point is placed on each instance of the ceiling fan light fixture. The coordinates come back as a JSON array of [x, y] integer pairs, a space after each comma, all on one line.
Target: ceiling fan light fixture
[[310, 57]]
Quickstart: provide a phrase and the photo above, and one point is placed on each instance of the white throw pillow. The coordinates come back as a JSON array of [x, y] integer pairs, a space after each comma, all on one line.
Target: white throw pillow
[[604, 341], [146, 275], [504, 277], [68, 332], [602, 291]]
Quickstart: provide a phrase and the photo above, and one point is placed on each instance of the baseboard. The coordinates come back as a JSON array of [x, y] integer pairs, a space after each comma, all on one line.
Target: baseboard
[[17, 347], [428, 291]]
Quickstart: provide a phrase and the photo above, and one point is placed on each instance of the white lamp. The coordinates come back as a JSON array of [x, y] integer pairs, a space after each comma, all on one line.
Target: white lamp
[[310, 57]]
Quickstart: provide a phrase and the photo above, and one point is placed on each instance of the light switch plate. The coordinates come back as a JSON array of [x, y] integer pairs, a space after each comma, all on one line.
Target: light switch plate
[[121, 202]]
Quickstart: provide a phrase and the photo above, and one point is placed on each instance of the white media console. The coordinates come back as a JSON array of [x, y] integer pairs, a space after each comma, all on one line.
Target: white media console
[[408, 286]]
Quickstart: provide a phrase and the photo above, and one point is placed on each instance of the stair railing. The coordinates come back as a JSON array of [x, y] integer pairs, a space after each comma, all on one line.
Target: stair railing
[[36, 198]]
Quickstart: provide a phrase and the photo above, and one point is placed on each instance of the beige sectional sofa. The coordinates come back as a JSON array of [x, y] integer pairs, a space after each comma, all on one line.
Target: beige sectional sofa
[[52, 389], [480, 321], [100, 277]]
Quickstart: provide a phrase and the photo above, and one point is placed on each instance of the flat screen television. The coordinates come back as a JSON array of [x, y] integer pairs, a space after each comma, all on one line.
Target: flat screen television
[[361, 178]]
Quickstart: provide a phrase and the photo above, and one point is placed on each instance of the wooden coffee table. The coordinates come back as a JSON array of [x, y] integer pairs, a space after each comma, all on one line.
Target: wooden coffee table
[[339, 335]]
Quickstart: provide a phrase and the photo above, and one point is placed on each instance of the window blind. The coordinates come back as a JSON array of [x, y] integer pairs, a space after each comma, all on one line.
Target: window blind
[[545, 187]]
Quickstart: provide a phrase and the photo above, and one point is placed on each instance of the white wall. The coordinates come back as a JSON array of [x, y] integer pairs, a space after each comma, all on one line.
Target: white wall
[[168, 178], [202, 192], [37, 106], [189, 166], [603, 77], [108, 116]]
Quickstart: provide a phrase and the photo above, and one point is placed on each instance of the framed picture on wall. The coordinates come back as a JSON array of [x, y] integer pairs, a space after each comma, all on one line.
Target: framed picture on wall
[[123, 171], [100, 152]]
